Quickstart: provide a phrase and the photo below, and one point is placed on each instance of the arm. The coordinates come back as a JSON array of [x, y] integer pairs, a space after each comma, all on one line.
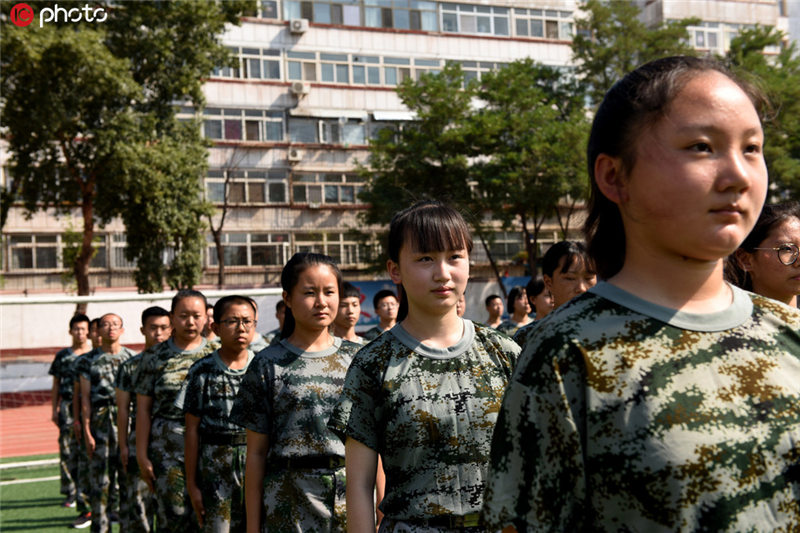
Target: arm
[[257, 448], [361, 464], [86, 416], [380, 491], [76, 408], [144, 410], [55, 399], [123, 415], [191, 453]]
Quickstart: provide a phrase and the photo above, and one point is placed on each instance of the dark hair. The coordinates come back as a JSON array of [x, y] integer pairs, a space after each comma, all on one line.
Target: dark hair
[[568, 251], [513, 294], [380, 295], [187, 293], [94, 322], [280, 305], [489, 299], [349, 291], [636, 101], [534, 288], [225, 302], [209, 305], [153, 311], [77, 319], [772, 215], [291, 275], [432, 227]]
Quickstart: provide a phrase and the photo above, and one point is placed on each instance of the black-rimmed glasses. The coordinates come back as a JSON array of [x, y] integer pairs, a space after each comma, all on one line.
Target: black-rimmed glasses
[[787, 253], [234, 323]]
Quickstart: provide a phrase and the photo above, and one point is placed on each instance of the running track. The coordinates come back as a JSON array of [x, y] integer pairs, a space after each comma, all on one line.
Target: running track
[[27, 431]]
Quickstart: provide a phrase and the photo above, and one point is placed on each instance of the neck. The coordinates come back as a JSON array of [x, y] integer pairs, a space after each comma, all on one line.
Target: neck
[[386, 324], [112, 348], [346, 334], [541, 315], [683, 284], [81, 347], [788, 299], [185, 345], [311, 340], [233, 357], [494, 321], [437, 331], [519, 318]]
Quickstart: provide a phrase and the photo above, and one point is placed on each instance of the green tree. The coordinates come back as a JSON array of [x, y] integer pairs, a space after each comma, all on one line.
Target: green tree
[[531, 134], [89, 115], [611, 41], [779, 77]]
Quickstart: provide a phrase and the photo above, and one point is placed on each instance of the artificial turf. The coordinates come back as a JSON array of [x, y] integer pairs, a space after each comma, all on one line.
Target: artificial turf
[[33, 505]]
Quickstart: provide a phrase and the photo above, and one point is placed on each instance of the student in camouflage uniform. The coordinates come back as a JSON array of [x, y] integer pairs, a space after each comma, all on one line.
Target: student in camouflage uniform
[[567, 271], [99, 417], [215, 447], [344, 325], [274, 336], [518, 308], [424, 395], [766, 262], [159, 423], [662, 399], [68, 445], [386, 306], [81, 364], [137, 509], [295, 464]]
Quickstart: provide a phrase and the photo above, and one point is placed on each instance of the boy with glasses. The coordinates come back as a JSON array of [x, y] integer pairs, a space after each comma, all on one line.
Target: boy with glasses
[[386, 307], [214, 447]]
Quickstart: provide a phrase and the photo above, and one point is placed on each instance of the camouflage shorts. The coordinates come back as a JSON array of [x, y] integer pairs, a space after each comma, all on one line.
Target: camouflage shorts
[[305, 500]]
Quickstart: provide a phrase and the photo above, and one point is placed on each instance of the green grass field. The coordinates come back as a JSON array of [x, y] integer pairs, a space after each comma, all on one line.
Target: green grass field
[[30, 504]]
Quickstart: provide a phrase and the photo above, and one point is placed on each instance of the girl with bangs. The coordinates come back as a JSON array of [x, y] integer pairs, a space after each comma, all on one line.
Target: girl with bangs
[[425, 394]]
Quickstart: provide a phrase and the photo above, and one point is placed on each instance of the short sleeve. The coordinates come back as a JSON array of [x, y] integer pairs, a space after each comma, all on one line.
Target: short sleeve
[[536, 470], [252, 408], [55, 367], [144, 379], [356, 413]]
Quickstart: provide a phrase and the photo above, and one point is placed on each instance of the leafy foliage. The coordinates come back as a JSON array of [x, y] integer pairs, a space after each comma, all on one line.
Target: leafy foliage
[[612, 41], [779, 77]]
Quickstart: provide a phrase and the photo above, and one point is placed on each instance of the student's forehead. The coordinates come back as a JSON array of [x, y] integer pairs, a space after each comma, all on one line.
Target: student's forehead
[[110, 317], [238, 308], [155, 319], [349, 299]]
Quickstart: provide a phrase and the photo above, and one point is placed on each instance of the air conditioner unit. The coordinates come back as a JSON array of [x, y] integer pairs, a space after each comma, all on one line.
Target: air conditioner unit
[[298, 26], [294, 155], [299, 88]]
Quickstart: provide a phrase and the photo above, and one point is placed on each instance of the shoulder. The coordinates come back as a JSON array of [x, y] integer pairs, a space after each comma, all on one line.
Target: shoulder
[[485, 334], [781, 312], [204, 365], [349, 348]]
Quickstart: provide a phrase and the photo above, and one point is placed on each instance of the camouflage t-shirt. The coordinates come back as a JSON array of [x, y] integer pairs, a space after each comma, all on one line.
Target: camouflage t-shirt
[[61, 368], [124, 382], [523, 334], [82, 364], [209, 391], [372, 333], [625, 415], [102, 373], [429, 413], [509, 327], [294, 406], [161, 374]]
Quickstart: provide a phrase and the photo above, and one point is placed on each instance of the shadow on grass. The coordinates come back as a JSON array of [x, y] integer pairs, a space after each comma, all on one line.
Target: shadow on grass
[[9, 504], [36, 524]]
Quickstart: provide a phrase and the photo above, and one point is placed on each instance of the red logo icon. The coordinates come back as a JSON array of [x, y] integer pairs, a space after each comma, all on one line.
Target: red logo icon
[[22, 14]]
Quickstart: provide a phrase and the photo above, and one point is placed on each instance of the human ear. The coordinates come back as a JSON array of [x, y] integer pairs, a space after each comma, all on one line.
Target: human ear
[[608, 174], [394, 272], [548, 282], [744, 259], [285, 296], [215, 328]]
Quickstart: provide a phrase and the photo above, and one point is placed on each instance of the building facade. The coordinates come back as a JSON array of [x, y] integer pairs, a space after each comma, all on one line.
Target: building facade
[[290, 121]]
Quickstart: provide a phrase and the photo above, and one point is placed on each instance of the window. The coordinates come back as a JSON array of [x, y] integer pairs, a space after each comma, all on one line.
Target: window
[[243, 124], [119, 244], [328, 188], [302, 130], [549, 23], [343, 131], [401, 14], [301, 66], [334, 68], [250, 249], [45, 252], [269, 9], [474, 70], [475, 19], [261, 63], [251, 186]]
